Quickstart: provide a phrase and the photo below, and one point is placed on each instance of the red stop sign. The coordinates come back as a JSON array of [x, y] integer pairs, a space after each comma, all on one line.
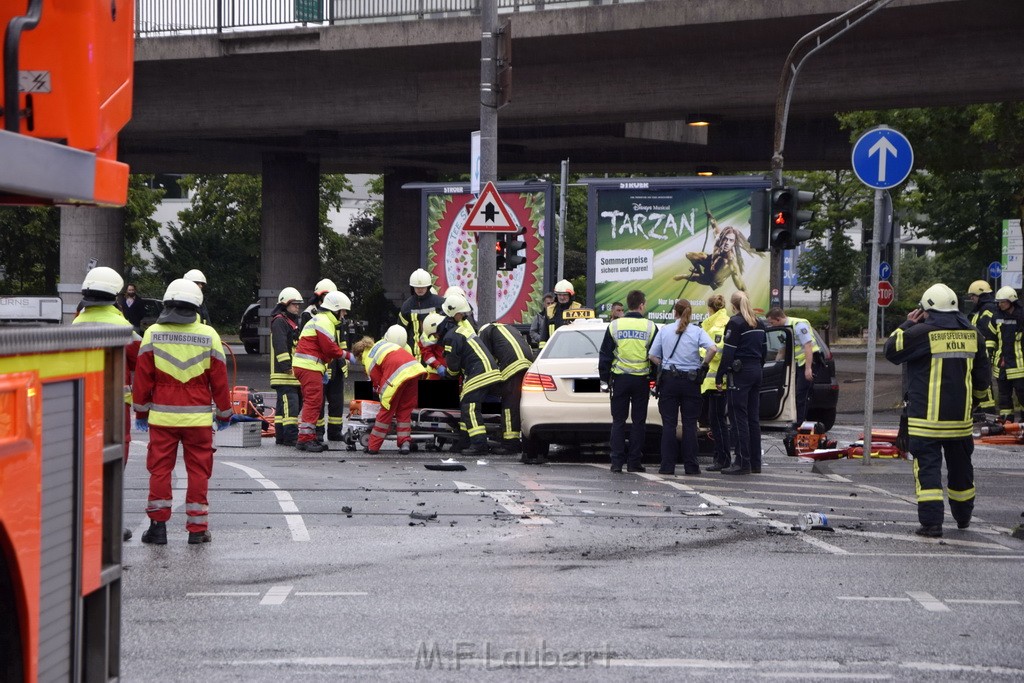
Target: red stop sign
[[886, 293]]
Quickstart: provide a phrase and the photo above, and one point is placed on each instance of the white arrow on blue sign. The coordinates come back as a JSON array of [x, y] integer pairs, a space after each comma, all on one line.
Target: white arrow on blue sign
[[884, 270], [995, 270], [882, 158]]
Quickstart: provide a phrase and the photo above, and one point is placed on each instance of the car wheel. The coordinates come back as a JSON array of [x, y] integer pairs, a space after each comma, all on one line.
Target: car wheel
[[535, 448], [252, 347], [825, 417]]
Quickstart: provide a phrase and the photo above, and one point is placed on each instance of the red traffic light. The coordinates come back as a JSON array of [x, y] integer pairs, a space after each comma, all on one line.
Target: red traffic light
[[780, 218]]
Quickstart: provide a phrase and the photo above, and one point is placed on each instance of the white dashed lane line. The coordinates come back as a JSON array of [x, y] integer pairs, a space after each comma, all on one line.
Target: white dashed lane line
[[296, 525]]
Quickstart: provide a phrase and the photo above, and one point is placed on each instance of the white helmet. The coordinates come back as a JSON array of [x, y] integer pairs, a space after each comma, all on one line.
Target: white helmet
[[430, 325], [564, 287], [940, 298], [337, 301], [979, 287], [103, 279], [195, 275], [185, 292], [1006, 294], [325, 286], [455, 304], [454, 289], [419, 278], [396, 334], [289, 295]]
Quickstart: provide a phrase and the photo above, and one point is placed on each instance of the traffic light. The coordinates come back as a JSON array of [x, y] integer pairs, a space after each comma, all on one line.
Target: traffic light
[[500, 252], [760, 227], [801, 215], [515, 250], [789, 214]]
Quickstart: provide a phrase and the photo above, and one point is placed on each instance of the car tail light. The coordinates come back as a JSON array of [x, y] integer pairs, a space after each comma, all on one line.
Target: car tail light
[[534, 381]]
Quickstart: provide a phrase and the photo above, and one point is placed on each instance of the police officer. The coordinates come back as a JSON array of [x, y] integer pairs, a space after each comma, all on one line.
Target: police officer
[[718, 403], [1009, 323], [677, 349], [805, 354], [983, 317], [180, 372], [946, 364], [284, 335], [624, 365], [743, 358], [421, 302], [514, 357]]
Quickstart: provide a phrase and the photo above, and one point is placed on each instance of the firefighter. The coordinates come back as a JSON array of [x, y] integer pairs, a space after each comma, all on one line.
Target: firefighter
[[1009, 323], [514, 356], [983, 317], [284, 335], [459, 315], [553, 312], [421, 302], [195, 275], [945, 367], [718, 413], [317, 348], [180, 371], [394, 373], [806, 356], [467, 357], [337, 370], [431, 350], [624, 366], [99, 293]]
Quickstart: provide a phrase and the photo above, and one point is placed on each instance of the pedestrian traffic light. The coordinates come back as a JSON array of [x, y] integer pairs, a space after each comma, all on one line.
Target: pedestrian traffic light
[[500, 252], [760, 225], [789, 216], [515, 250]]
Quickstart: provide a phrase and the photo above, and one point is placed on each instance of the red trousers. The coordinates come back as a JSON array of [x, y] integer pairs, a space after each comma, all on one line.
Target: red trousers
[[197, 443], [312, 384], [402, 405]]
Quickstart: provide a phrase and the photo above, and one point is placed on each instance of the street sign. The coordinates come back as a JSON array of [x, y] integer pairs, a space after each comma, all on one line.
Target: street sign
[[489, 213], [882, 158], [884, 270], [995, 270], [474, 162], [886, 294]]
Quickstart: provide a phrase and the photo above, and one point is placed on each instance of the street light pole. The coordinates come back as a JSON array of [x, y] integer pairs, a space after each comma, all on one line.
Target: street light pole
[[486, 269]]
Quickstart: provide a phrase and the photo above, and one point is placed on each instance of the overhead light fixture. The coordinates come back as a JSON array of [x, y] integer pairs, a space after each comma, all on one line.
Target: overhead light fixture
[[700, 120], [706, 170]]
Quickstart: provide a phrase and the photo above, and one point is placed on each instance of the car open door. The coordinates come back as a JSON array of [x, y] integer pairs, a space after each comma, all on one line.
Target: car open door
[[778, 403]]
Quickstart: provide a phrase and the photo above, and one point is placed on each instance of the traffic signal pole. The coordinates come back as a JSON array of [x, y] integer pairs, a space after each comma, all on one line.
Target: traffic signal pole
[[869, 371], [486, 262]]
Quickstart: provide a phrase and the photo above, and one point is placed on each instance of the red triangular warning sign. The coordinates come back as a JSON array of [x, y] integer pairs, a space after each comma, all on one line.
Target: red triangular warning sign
[[489, 213]]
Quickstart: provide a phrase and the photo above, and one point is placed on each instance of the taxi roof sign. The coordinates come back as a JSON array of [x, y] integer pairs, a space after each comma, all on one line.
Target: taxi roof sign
[[489, 213], [578, 314]]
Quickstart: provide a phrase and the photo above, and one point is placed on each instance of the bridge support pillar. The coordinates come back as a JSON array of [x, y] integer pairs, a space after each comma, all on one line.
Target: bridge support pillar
[[87, 233], [403, 236], [289, 231]]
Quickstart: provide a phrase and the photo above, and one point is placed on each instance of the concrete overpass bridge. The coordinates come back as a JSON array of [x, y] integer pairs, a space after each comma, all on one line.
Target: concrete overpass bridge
[[608, 86]]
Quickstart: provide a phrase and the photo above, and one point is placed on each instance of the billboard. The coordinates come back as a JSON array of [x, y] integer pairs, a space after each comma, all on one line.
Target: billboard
[[449, 253], [673, 238]]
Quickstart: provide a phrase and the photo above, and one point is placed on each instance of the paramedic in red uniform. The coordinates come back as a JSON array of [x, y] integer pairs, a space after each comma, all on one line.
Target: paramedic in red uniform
[[180, 371], [394, 373], [317, 347]]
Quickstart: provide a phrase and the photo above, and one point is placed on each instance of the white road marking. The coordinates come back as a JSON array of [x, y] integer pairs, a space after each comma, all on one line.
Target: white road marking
[[920, 539], [929, 601], [328, 593], [276, 595], [220, 595], [965, 668], [523, 513], [296, 525], [985, 602], [865, 598]]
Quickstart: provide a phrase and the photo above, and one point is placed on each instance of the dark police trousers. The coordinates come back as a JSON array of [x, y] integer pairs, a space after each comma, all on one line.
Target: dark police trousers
[[630, 394], [745, 409], [718, 405], [678, 395], [803, 394], [928, 477], [334, 396]]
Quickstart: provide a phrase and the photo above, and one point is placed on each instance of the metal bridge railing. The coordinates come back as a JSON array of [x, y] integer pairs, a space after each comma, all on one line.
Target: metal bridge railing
[[176, 17]]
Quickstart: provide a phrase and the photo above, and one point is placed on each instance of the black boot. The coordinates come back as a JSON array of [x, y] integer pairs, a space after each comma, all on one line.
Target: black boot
[[311, 446], [195, 537], [156, 534]]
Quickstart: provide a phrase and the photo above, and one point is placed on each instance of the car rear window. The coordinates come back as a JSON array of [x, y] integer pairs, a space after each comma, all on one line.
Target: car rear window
[[575, 344]]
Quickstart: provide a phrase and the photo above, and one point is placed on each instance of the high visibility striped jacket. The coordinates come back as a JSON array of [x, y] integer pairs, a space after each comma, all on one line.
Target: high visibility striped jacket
[[318, 344], [388, 367], [714, 325], [1009, 352], [415, 309], [108, 314], [509, 348], [554, 319], [470, 358], [946, 366], [983, 317], [801, 335], [284, 335], [625, 347], [180, 371]]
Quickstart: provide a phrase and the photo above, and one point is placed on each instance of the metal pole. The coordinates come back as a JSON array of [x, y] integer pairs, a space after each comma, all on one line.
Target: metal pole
[[869, 377], [562, 199], [487, 273]]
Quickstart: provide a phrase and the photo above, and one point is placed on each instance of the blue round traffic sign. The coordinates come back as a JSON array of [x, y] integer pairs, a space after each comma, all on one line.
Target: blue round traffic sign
[[884, 270], [995, 270], [882, 158]]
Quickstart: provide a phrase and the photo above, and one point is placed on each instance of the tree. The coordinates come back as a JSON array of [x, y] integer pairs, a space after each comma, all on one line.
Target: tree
[[29, 250]]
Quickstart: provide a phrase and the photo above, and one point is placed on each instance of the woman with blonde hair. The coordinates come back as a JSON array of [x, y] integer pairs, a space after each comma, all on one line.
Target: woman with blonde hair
[[743, 358], [677, 350], [717, 401]]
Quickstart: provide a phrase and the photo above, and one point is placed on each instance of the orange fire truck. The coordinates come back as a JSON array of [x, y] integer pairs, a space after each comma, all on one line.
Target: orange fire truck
[[67, 90]]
